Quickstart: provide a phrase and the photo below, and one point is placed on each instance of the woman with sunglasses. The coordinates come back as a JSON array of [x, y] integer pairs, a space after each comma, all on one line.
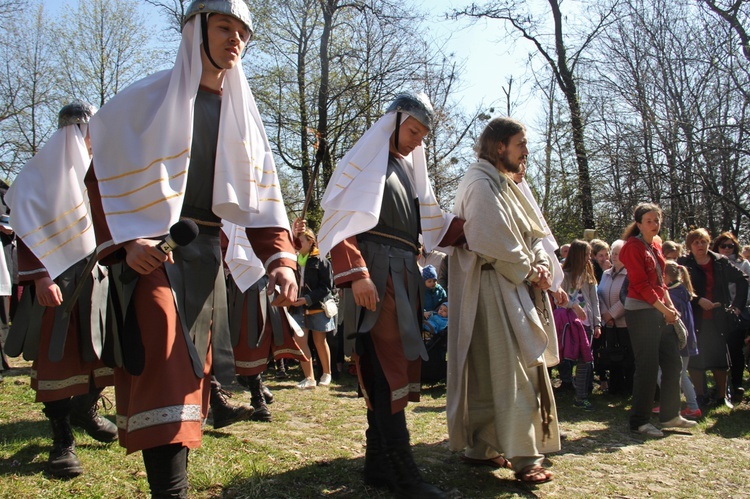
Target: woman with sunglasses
[[726, 244]]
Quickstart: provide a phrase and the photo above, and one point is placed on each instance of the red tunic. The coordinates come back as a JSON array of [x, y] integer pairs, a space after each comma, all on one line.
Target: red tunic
[[71, 375], [167, 403]]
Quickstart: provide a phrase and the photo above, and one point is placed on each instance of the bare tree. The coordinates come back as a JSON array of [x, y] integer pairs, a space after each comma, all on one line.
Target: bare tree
[[8, 8], [668, 116], [732, 14], [315, 113], [555, 53], [103, 47], [28, 88]]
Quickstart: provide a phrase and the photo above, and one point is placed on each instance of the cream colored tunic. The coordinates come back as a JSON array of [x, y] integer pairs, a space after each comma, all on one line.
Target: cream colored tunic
[[500, 330]]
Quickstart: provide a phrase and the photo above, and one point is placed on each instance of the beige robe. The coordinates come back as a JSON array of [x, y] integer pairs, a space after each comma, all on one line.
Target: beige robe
[[492, 402]]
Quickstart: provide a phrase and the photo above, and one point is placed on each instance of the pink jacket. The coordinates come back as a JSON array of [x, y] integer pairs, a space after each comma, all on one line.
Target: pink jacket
[[572, 338]]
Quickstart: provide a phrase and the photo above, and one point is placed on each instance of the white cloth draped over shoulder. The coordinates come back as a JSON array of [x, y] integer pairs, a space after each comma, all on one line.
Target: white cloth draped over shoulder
[[548, 241], [49, 208], [244, 265], [502, 230], [354, 194], [507, 248], [142, 138], [6, 282]]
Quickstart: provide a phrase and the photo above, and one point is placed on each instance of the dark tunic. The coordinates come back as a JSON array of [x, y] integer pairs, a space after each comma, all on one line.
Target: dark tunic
[[390, 250], [387, 254]]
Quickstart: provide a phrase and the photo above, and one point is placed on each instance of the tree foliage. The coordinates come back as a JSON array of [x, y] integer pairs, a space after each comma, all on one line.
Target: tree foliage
[[639, 100]]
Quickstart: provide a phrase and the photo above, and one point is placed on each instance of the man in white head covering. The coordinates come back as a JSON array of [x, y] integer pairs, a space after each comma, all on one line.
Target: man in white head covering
[[49, 211], [185, 143], [378, 201]]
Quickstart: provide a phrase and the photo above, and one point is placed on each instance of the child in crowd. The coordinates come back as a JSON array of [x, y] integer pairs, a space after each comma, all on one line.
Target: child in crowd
[[434, 294], [580, 284], [671, 250], [437, 321], [681, 292]]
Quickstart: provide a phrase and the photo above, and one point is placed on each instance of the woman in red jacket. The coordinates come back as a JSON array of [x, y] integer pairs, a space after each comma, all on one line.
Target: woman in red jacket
[[649, 314]]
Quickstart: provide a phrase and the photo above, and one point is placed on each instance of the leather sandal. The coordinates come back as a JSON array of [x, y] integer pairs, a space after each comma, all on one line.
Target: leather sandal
[[498, 462], [534, 474]]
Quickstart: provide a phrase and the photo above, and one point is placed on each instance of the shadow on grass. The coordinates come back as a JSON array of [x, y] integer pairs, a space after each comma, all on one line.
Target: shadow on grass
[[343, 478], [22, 461], [32, 440], [730, 424], [16, 372]]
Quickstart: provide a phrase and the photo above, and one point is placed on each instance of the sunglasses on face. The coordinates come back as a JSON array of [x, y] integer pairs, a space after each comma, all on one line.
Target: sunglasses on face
[[727, 246]]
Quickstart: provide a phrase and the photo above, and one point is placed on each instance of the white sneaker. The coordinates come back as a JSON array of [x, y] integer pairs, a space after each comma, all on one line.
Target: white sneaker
[[325, 380], [649, 430], [306, 384], [678, 422]]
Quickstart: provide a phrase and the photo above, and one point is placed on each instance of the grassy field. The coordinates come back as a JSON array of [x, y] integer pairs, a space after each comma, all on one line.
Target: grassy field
[[315, 447]]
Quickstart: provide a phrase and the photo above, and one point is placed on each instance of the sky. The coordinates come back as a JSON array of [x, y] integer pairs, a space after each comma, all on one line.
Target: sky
[[483, 76]]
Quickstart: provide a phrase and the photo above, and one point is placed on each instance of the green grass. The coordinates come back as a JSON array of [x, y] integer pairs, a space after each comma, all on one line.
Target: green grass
[[315, 446]]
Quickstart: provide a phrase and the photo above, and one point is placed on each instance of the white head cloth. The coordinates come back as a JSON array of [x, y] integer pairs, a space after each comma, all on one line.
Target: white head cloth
[[354, 194], [548, 242], [48, 202], [142, 138]]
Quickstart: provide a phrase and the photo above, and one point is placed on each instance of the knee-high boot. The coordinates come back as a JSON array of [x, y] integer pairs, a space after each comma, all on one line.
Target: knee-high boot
[[85, 414]]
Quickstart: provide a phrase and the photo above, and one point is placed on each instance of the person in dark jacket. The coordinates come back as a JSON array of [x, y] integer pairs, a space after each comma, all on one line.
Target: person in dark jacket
[[711, 275], [316, 285]]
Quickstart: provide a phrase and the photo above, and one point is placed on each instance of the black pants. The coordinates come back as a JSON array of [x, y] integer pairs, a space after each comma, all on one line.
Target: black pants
[[166, 468], [735, 345], [58, 409], [388, 430]]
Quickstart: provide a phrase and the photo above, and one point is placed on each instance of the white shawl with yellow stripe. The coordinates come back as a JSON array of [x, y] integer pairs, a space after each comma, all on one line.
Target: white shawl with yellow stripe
[[142, 138], [49, 208], [354, 194]]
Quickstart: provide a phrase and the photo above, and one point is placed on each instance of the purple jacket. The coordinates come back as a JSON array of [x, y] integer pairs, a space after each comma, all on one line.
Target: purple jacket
[[571, 337]]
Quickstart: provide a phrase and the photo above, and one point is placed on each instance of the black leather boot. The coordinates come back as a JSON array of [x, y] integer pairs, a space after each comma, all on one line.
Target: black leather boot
[[85, 414], [404, 477], [267, 395], [223, 412], [376, 469], [63, 461], [257, 398]]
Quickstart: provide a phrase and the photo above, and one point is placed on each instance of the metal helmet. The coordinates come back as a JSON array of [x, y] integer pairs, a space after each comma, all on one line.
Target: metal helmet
[[415, 105], [75, 113], [235, 8]]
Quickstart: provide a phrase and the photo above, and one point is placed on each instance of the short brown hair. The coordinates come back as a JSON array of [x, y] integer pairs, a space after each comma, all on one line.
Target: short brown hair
[[597, 245], [499, 130], [696, 234]]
